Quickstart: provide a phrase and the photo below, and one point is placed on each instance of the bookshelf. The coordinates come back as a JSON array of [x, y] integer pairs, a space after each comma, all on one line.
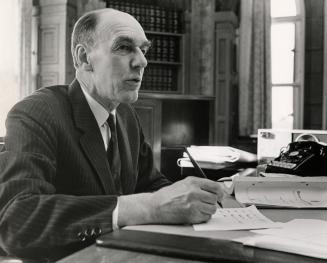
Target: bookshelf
[[163, 24]]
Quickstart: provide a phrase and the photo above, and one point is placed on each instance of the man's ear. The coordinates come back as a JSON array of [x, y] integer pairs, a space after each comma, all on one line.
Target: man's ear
[[82, 59]]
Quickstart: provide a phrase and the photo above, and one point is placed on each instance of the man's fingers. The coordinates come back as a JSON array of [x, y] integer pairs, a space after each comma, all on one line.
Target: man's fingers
[[205, 184], [213, 187], [208, 197], [208, 186], [207, 209]]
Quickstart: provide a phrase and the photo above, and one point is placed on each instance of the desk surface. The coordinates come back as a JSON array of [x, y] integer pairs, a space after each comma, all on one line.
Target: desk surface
[[97, 254]]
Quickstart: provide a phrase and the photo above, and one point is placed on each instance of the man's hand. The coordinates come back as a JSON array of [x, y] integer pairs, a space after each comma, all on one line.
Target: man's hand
[[192, 200]]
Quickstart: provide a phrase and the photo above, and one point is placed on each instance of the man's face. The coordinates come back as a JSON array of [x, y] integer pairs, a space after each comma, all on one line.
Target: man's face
[[118, 59]]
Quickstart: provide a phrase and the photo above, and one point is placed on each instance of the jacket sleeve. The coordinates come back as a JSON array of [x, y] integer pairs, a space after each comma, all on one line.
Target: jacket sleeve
[[36, 221]]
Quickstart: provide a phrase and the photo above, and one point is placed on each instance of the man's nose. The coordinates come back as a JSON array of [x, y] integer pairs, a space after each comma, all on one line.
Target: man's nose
[[139, 60]]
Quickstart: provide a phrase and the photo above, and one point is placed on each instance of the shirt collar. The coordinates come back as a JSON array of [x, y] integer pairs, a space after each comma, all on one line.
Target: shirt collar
[[100, 113]]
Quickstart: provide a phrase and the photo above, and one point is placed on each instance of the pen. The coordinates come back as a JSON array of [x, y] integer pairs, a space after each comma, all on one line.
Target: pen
[[225, 180], [198, 169]]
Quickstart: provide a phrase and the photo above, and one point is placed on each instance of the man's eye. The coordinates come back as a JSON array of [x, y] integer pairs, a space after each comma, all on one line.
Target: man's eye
[[125, 48], [144, 50]]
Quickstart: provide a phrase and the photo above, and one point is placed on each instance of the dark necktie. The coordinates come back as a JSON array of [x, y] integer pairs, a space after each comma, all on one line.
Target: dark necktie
[[113, 152]]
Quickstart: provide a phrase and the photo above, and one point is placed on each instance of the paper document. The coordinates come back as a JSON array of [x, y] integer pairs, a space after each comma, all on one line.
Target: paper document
[[270, 175], [227, 183], [300, 236], [186, 162], [215, 157], [297, 192], [236, 219]]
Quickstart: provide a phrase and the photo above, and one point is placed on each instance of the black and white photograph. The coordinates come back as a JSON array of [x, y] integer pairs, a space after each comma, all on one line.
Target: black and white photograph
[[163, 131]]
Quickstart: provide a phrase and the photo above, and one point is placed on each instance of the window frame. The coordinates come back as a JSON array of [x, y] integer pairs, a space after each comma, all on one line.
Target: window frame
[[28, 26], [324, 111], [299, 55]]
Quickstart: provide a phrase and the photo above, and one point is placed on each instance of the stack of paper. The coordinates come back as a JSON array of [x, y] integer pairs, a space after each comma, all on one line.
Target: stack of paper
[[300, 236], [215, 157], [228, 182], [297, 191], [277, 190]]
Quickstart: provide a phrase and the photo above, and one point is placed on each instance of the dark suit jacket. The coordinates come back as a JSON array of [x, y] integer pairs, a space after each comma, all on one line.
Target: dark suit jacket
[[56, 190]]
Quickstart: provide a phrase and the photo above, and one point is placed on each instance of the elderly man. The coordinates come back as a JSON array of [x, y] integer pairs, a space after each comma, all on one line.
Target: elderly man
[[75, 163]]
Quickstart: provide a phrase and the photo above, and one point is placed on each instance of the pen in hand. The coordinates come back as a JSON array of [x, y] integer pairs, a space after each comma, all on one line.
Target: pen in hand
[[198, 169]]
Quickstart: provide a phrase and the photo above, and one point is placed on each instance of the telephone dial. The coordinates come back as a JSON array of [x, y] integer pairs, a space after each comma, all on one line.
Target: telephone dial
[[301, 157]]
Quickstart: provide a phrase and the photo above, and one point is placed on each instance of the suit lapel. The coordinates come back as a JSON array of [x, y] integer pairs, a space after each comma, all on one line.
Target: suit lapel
[[91, 140], [128, 179]]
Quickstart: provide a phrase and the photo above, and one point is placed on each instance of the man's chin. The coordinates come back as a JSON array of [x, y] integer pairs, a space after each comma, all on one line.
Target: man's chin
[[130, 97]]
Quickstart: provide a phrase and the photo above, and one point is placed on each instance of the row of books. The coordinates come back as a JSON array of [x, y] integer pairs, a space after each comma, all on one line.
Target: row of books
[[150, 15], [159, 78], [164, 48]]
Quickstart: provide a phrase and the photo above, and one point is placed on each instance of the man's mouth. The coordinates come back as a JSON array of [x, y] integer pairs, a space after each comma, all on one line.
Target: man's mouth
[[133, 83], [135, 80]]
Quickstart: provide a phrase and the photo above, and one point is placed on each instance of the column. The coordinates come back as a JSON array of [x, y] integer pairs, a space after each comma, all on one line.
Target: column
[[224, 77], [57, 19]]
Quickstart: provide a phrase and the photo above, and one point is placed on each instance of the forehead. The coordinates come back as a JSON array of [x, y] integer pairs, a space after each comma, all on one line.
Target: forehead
[[117, 25]]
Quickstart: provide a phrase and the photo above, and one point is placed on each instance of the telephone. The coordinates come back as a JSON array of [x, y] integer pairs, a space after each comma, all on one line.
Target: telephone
[[303, 158]]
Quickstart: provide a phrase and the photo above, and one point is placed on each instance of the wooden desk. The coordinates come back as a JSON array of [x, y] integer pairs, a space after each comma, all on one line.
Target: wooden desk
[[96, 254], [249, 254]]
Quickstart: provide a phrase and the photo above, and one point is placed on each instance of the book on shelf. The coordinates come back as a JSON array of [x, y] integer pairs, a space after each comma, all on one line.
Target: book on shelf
[[159, 78], [278, 190], [152, 17], [164, 48]]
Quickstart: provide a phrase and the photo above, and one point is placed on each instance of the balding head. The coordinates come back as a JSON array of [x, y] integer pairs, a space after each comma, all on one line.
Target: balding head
[[86, 31], [109, 48]]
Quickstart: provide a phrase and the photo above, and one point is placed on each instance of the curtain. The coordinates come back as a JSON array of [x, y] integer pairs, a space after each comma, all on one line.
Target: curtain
[[255, 67], [26, 84]]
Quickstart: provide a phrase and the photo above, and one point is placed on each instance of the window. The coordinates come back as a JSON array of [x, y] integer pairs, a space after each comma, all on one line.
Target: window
[[18, 44], [287, 63], [9, 65]]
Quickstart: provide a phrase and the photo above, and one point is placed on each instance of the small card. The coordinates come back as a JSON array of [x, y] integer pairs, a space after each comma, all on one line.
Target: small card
[[236, 219]]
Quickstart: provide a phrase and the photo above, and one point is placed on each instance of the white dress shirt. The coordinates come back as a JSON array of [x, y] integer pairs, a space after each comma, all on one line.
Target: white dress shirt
[[101, 115]]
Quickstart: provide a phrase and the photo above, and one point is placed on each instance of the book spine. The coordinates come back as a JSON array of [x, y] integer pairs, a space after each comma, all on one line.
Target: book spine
[[152, 24], [164, 48], [171, 49]]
